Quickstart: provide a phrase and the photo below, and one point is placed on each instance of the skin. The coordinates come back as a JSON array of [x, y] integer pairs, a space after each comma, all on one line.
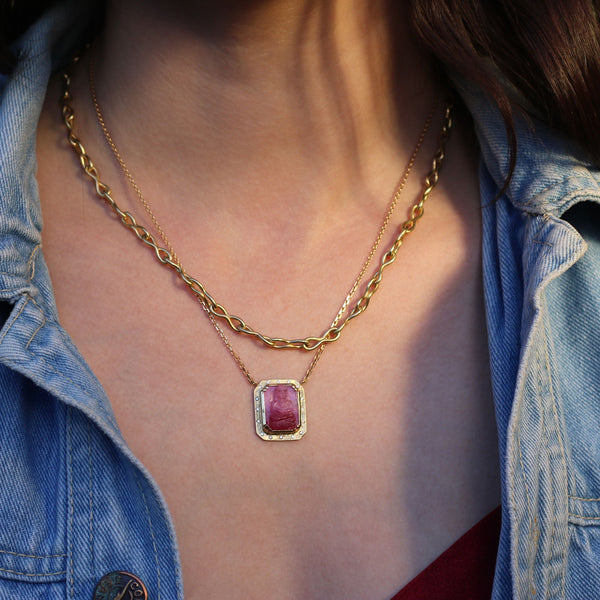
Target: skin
[[268, 137]]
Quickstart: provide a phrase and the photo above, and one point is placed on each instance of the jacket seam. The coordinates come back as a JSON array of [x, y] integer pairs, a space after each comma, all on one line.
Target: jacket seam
[[177, 569], [71, 500], [583, 499], [32, 574], [31, 261], [585, 518], [570, 197], [553, 395], [91, 495], [529, 512], [30, 267], [549, 459], [40, 326], [151, 527], [41, 557]]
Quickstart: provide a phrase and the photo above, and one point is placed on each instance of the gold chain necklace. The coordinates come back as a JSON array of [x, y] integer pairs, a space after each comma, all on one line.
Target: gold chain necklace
[[279, 403], [160, 231], [217, 310]]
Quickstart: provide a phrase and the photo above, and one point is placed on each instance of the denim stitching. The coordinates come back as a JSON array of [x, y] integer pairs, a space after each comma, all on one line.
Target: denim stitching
[[33, 555], [91, 472], [33, 574], [585, 518], [562, 449], [30, 268], [541, 230], [574, 176], [71, 501], [31, 261], [579, 191], [549, 458], [172, 541], [151, 533], [513, 499], [69, 408], [55, 391], [529, 511], [584, 499], [39, 327], [44, 323]]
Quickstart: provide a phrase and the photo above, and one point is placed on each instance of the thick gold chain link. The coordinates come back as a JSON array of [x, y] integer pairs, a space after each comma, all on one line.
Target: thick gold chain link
[[215, 310]]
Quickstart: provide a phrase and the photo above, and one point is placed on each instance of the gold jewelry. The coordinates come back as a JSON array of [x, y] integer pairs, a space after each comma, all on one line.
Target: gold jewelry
[[280, 404], [217, 310], [160, 231]]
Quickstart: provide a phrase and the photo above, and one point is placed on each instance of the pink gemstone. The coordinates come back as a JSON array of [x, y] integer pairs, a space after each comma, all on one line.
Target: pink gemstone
[[282, 408]]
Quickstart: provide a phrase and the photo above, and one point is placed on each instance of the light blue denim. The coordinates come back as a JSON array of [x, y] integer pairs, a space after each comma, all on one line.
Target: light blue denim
[[76, 504]]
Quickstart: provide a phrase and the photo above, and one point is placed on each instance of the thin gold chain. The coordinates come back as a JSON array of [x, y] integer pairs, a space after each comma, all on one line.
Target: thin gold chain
[[216, 310], [168, 258], [161, 232], [386, 220]]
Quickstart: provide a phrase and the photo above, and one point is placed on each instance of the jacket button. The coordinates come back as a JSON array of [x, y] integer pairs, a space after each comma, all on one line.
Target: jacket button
[[120, 585]]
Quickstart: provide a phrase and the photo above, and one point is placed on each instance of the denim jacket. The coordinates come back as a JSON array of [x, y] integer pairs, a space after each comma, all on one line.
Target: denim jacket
[[75, 503]]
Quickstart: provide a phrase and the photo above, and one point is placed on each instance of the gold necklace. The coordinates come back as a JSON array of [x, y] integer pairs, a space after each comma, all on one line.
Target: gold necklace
[[279, 403], [217, 310]]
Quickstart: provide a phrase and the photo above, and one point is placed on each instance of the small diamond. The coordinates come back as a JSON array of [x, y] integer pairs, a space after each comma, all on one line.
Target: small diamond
[[270, 437]]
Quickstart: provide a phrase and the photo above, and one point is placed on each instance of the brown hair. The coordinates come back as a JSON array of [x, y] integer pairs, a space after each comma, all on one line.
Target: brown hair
[[548, 52]]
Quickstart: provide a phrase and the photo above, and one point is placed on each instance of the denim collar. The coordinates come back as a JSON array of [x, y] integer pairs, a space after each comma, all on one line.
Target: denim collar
[[551, 173]]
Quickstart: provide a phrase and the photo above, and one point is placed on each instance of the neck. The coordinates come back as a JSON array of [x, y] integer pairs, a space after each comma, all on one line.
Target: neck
[[320, 90]]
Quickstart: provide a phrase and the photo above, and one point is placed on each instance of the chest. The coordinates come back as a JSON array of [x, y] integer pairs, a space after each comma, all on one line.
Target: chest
[[399, 458], [398, 461]]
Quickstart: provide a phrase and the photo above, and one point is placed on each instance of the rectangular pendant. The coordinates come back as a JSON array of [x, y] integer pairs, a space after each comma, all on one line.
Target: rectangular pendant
[[279, 410]]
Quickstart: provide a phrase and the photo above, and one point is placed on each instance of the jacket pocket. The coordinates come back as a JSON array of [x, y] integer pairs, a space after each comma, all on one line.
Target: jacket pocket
[[31, 577], [582, 570]]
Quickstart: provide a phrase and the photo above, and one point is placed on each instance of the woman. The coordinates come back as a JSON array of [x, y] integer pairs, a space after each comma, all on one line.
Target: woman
[[260, 143]]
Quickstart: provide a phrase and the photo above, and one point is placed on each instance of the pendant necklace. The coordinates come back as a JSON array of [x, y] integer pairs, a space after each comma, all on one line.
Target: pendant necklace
[[279, 404]]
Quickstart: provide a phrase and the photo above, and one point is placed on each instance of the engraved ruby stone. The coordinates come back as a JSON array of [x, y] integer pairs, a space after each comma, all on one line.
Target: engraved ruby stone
[[282, 408]]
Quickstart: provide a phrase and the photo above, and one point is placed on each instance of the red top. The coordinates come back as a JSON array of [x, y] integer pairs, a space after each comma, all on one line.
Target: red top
[[463, 572]]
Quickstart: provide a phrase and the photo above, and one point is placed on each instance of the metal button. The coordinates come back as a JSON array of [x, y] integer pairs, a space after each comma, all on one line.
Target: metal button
[[120, 585]]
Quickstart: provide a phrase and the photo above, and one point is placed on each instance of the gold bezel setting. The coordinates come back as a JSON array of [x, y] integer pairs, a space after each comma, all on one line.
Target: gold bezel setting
[[260, 414]]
